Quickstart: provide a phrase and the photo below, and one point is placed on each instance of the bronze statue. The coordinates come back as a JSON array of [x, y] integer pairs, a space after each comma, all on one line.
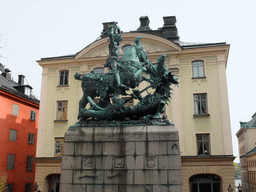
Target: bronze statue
[[126, 73], [115, 37]]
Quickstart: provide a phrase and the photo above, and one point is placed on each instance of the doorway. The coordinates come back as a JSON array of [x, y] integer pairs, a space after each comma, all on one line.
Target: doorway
[[205, 182], [53, 182]]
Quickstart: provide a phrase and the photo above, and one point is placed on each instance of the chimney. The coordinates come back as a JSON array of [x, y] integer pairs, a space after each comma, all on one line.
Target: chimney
[[21, 79], [7, 74], [169, 30]]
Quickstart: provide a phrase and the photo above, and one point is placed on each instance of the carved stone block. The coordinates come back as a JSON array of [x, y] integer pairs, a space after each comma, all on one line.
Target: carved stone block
[[151, 162], [119, 162], [118, 177], [70, 162], [88, 162], [88, 177]]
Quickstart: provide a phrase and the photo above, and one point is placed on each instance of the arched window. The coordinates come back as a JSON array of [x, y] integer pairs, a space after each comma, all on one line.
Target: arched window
[[198, 69], [205, 182], [53, 182]]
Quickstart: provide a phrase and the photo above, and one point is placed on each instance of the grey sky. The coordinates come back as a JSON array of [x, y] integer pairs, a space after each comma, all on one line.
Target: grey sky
[[34, 29]]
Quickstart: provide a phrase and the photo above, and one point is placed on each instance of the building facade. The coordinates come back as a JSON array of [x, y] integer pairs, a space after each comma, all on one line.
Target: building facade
[[199, 107], [247, 152], [18, 134]]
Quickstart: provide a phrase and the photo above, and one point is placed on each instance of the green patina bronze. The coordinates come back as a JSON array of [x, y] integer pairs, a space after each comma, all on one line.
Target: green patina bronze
[[126, 73]]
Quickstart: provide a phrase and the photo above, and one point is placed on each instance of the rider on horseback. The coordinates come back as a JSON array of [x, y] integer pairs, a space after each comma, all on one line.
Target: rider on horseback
[[115, 38]]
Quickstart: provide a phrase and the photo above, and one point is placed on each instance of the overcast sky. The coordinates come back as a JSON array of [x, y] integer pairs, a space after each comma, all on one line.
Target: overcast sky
[[34, 29]]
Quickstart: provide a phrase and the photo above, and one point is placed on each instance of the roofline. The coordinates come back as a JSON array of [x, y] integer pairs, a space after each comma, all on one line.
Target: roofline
[[58, 57], [205, 45], [19, 96]]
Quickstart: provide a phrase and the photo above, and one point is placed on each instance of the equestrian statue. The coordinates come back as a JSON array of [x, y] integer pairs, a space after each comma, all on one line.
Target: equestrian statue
[[124, 76]]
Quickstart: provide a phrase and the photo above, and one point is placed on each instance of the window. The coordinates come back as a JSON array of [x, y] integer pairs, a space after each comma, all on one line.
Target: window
[[13, 135], [10, 161], [28, 187], [31, 138], [62, 110], [63, 78], [33, 116], [59, 146], [8, 188], [203, 144], [198, 69], [29, 163], [200, 104], [99, 70], [15, 109], [27, 90]]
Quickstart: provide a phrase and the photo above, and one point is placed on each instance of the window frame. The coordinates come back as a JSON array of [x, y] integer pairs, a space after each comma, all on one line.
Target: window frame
[[63, 78], [194, 76], [198, 112], [31, 140], [8, 166], [33, 115], [15, 135], [60, 144], [61, 119], [29, 164], [15, 110], [28, 187], [203, 141]]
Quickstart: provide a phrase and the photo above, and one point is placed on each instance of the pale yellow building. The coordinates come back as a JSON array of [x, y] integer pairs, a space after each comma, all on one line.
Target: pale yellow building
[[247, 152], [199, 107]]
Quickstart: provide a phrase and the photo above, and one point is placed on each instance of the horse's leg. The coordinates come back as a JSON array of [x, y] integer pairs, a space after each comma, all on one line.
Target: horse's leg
[[82, 104]]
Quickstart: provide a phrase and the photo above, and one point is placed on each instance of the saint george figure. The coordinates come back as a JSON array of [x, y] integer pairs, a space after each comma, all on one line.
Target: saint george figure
[[115, 38]]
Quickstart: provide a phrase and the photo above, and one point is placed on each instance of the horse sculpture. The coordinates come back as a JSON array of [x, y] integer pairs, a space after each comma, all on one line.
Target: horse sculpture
[[104, 86], [125, 73]]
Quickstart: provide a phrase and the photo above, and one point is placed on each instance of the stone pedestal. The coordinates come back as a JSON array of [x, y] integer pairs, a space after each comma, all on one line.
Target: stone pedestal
[[121, 159]]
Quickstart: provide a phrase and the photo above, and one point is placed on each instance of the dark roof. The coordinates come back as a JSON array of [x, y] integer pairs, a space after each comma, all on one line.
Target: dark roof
[[251, 123], [9, 86]]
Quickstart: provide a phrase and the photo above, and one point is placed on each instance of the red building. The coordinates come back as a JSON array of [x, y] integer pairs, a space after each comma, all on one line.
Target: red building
[[18, 132]]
